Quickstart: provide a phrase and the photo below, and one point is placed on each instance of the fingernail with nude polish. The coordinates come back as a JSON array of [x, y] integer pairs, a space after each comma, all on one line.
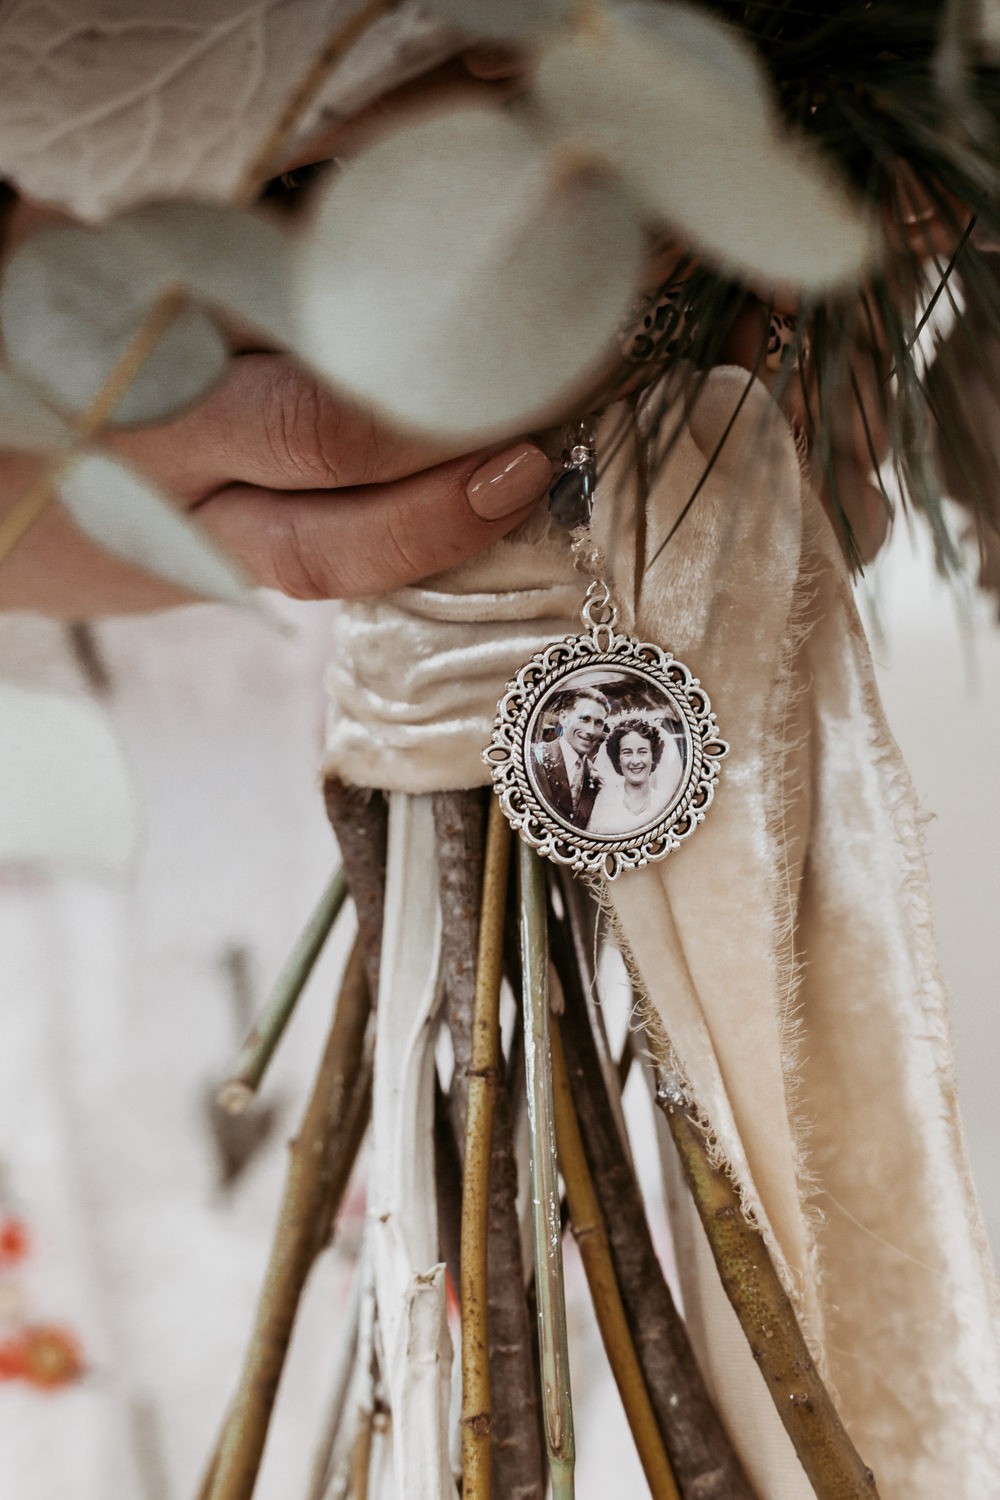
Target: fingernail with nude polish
[[508, 481]]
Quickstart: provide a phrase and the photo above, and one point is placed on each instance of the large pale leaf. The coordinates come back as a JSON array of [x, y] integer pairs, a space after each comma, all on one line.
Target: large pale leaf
[[72, 301], [128, 516], [26, 423], [463, 277], [106, 103], [66, 796], [681, 107], [229, 257]]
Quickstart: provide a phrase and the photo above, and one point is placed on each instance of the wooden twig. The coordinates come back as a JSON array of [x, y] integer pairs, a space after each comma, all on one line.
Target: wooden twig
[[319, 1476], [267, 158], [447, 1186], [259, 1047], [833, 1466], [361, 1457], [317, 1166], [518, 1449], [357, 1118], [171, 302], [583, 919], [361, 1400], [32, 504], [557, 1404], [459, 827], [360, 820], [701, 1454], [482, 1082], [518, 1463], [595, 1252]]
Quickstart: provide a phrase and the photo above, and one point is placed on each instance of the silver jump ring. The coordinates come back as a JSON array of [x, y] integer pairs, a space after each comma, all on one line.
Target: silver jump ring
[[597, 608]]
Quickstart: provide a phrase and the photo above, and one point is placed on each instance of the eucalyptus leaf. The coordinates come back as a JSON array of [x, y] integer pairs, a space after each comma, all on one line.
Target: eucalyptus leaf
[[128, 516], [464, 277], [680, 106], [229, 257], [26, 423], [67, 796], [72, 301]]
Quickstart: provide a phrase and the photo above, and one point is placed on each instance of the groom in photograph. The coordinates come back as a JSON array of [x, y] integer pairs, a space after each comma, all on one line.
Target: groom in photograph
[[564, 767]]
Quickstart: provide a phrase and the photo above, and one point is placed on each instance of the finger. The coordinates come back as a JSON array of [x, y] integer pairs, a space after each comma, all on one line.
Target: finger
[[373, 538], [271, 423]]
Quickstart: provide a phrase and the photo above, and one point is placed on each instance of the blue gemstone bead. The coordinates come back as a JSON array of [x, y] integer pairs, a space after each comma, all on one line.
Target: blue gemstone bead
[[571, 497]]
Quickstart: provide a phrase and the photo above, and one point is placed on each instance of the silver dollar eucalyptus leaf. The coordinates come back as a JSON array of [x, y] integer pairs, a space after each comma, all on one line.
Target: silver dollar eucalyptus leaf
[[463, 277], [27, 425], [72, 301], [680, 105], [228, 257], [128, 516], [67, 797]]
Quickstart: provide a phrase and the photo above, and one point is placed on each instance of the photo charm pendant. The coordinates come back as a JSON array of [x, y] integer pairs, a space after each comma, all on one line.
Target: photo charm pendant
[[605, 751]]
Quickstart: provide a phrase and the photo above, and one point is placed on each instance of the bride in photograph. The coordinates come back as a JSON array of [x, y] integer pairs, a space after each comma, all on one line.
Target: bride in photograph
[[647, 771]]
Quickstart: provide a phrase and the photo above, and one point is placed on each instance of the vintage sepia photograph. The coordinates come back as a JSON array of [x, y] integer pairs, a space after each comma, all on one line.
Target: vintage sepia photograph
[[609, 752]]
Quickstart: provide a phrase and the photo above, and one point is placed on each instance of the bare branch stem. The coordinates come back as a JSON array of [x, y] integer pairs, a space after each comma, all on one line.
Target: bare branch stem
[[557, 1404], [360, 820], [318, 1172], [459, 825], [700, 1451], [259, 1047], [831, 1461], [483, 1073], [595, 1252], [266, 158]]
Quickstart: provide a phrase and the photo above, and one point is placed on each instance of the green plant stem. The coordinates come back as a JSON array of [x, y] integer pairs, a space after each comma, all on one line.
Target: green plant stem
[[318, 1172], [557, 1404], [259, 1047], [832, 1463], [482, 1084]]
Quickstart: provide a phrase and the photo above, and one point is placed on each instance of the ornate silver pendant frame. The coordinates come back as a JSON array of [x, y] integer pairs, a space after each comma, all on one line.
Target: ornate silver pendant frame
[[605, 751]]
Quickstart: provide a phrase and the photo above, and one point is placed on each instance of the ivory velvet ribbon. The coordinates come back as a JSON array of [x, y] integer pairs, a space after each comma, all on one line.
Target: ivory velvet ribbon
[[787, 948]]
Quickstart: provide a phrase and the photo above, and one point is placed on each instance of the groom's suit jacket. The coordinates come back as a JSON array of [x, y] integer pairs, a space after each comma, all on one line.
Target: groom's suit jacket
[[553, 783]]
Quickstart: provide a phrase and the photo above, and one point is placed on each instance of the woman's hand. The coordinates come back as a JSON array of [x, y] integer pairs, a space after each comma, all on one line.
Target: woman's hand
[[308, 491]]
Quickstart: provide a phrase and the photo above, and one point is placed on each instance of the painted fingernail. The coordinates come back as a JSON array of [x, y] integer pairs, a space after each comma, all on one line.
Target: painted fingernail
[[508, 481]]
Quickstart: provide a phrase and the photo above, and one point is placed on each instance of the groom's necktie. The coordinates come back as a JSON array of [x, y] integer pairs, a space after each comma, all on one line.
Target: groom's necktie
[[581, 767]]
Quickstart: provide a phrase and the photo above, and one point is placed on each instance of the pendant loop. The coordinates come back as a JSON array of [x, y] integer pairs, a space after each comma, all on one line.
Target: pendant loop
[[598, 610]]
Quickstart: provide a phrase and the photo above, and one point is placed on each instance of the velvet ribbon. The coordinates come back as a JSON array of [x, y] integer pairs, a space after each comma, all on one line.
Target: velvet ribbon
[[787, 948]]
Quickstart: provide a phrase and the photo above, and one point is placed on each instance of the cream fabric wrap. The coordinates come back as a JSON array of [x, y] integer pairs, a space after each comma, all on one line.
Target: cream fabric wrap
[[787, 948]]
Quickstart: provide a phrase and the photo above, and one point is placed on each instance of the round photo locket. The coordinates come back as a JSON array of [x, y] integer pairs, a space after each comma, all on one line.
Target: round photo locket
[[605, 751]]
